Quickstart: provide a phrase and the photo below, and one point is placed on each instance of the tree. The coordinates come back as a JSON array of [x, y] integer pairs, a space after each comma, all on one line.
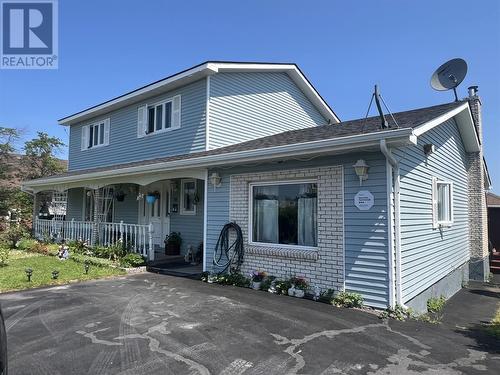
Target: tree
[[8, 138], [39, 159]]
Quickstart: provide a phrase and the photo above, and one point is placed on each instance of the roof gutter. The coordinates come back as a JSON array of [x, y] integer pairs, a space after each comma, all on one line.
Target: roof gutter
[[393, 188], [338, 145]]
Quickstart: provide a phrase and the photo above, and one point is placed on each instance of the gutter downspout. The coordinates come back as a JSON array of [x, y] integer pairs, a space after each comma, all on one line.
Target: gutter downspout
[[397, 228]]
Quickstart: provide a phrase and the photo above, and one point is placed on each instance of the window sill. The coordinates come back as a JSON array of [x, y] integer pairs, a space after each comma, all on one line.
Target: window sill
[[283, 252], [94, 147], [167, 130]]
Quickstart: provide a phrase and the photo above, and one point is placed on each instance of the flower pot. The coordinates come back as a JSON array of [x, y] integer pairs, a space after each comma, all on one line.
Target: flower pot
[[256, 285], [150, 199], [172, 249], [299, 293]]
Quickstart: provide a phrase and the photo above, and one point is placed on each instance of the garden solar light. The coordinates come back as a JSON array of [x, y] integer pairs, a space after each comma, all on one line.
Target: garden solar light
[[86, 266], [55, 274], [29, 272]]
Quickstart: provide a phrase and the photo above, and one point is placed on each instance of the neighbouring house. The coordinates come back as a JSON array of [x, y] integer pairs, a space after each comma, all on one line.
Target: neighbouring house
[[396, 213], [50, 204], [493, 203]]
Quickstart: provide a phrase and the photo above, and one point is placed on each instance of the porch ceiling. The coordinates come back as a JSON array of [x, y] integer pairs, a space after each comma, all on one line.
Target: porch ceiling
[[142, 179]]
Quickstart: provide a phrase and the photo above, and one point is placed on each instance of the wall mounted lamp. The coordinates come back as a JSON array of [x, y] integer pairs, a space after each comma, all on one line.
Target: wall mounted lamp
[[361, 169]]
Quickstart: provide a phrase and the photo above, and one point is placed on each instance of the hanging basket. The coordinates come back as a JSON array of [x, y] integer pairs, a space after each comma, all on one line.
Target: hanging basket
[[150, 198]]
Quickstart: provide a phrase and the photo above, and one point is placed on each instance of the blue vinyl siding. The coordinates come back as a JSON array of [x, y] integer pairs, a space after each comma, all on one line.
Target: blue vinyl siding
[[365, 237], [190, 226], [128, 210], [427, 254], [124, 145], [74, 209], [245, 106]]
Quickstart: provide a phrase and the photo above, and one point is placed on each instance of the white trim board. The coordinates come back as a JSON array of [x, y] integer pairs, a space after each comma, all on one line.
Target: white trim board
[[464, 122], [394, 138]]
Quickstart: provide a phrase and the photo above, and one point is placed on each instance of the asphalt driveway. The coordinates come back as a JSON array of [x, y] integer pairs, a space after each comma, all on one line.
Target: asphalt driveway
[[153, 324]]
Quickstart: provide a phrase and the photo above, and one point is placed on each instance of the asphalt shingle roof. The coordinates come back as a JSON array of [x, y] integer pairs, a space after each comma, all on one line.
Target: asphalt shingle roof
[[407, 119]]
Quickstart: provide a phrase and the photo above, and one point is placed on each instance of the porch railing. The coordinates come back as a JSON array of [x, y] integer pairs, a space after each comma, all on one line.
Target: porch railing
[[138, 238]]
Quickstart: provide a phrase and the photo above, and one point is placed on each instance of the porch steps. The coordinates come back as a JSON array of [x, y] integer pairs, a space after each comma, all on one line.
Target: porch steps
[[495, 262]]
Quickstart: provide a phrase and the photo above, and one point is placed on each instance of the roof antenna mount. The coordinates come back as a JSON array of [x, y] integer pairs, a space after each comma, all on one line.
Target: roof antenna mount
[[378, 98]]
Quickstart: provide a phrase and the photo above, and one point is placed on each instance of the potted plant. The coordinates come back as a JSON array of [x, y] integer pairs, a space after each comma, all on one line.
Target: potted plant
[[173, 243], [299, 287], [152, 197], [257, 277]]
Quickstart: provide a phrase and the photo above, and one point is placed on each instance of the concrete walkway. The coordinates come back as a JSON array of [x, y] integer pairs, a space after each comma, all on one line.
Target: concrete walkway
[[154, 324]]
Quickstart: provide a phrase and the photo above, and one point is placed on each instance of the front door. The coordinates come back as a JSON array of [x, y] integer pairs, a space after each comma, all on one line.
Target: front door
[[157, 213]]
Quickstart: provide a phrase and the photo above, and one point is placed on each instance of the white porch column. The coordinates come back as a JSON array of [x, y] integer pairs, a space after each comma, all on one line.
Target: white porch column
[[151, 250]]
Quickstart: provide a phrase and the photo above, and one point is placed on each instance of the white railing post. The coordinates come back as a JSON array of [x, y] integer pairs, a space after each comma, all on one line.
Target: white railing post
[[72, 229], [151, 254], [121, 230], [53, 230]]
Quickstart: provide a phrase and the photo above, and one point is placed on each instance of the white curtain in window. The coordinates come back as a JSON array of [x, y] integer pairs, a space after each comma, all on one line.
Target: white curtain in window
[[266, 214], [307, 210], [444, 202]]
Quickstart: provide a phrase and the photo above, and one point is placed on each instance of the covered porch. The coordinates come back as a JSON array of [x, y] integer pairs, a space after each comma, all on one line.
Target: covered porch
[[138, 211]]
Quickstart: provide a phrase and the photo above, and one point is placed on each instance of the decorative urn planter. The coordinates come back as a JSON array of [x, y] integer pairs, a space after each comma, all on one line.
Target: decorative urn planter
[[173, 244], [256, 285], [299, 293]]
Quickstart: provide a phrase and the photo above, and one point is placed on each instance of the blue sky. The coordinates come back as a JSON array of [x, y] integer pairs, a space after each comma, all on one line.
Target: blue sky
[[344, 47]]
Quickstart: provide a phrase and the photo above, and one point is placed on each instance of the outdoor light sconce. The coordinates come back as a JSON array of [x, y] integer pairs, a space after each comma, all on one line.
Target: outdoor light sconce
[[29, 272], [215, 180], [361, 169], [429, 148], [55, 274]]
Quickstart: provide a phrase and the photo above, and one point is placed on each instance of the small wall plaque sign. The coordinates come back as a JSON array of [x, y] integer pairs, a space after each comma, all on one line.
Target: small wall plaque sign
[[364, 200]]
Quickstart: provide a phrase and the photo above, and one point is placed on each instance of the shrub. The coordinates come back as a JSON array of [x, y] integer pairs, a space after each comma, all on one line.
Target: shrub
[[174, 239], [267, 282], [435, 304], [132, 260], [38, 248], [4, 255], [348, 299], [79, 247], [299, 282], [13, 235], [204, 276], [398, 313], [117, 251], [26, 244], [282, 286], [101, 252]]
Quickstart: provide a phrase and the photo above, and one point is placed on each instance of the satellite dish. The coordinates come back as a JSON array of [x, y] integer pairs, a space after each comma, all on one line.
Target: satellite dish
[[449, 75]]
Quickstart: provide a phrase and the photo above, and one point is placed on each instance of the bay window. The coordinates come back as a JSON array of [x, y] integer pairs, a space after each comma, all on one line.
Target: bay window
[[284, 213]]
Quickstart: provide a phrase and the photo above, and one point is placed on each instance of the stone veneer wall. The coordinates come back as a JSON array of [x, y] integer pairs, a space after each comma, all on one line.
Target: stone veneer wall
[[323, 267], [478, 214]]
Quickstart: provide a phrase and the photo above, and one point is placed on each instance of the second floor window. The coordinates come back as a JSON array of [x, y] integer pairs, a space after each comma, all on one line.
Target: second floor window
[[95, 135], [159, 117]]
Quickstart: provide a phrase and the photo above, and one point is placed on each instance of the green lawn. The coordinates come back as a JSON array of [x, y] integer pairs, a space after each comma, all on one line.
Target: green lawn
[[13, 276]]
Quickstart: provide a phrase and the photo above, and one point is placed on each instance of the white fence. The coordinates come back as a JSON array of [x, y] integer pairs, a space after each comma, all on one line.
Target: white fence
[[137, 238]]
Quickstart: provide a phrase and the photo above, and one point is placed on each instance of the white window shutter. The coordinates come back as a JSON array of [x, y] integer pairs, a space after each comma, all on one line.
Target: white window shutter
[[85, 137], [434, 203], [106, 132], [176, 112], [142, 120]]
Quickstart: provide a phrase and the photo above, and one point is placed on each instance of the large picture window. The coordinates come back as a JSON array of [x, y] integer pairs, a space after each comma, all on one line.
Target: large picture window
[[284, 213], [442, 203]]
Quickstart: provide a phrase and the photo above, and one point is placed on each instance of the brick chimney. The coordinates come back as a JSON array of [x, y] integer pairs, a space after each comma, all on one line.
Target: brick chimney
[[478, 219]]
